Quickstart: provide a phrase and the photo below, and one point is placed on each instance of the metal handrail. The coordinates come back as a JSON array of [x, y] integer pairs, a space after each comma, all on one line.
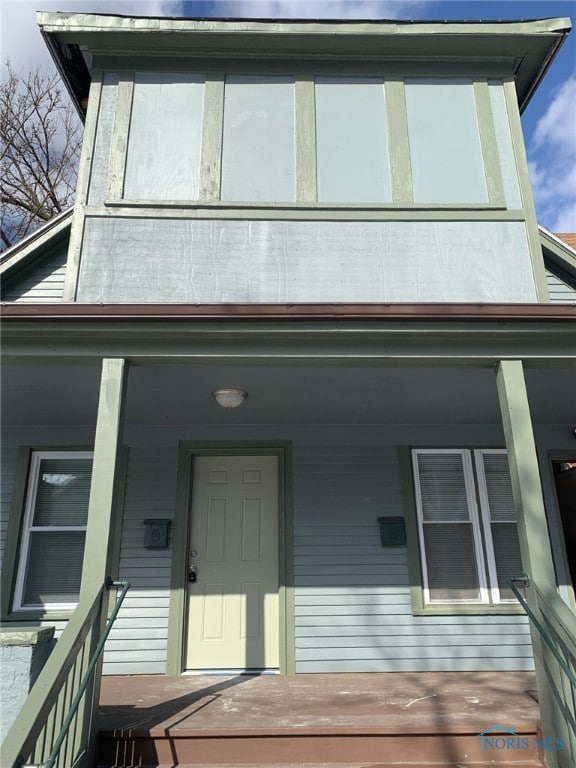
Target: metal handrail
[[75, 703], [525, 580]]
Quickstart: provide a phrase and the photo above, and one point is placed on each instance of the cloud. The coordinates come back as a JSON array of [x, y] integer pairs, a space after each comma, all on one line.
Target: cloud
[[321, 9], [552, 156], [22, 43]]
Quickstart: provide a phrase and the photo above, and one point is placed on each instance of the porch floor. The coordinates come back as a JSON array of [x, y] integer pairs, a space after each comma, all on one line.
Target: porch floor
[[381, 702]]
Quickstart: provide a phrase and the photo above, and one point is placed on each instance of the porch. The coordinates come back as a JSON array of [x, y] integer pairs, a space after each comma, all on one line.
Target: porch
[[380, 719]]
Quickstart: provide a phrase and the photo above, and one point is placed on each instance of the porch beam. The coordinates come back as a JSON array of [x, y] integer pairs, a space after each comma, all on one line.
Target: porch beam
[[105, 470]]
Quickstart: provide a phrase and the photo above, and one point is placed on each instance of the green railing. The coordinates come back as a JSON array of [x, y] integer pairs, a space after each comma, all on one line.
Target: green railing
[[54, 727], [556, 657]]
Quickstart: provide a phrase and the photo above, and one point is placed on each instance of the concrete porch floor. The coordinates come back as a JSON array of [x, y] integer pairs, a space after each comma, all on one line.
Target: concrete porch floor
[[393, 702]]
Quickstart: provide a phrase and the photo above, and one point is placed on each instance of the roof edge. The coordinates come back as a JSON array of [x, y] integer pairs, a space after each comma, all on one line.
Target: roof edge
[[53, 229], [266, 312]]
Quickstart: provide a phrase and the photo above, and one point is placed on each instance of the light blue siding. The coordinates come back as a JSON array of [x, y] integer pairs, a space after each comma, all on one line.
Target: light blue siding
[[211, 261], [353, 608], [560, 291], [138, 640], [352, 597], [43, 283]]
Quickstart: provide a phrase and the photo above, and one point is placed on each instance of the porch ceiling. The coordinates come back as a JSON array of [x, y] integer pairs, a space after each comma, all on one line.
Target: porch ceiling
[[51, 394]]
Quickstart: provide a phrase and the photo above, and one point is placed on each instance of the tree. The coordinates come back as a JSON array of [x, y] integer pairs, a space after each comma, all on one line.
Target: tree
[[40, 139]]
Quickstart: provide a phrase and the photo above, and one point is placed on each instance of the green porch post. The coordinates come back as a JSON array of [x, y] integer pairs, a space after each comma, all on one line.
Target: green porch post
[[107, 445], [531, 518], [525, 475], [101, 509]]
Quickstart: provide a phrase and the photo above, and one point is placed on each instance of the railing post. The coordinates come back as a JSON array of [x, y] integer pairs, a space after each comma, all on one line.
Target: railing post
[[103, 490], [531, 518]]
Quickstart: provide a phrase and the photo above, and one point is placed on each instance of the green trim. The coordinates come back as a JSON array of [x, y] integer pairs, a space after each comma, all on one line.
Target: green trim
[[555, 522], [120, 132], [411, 525], [538, 270], [525, 474], [173, 209], [413, 554], [491, 158], [83, 184], [212, 127], [181, 535], [305, 107], [104, 487], [89, 138], [347, 343], [180, 539], [12, 545], [399, 145], [303, 66]]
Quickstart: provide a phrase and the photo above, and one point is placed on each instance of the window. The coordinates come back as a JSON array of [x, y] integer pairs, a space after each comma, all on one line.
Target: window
[[445, 147], [163, 157], [54, 530], [352, 141], [467, 530], [258, 154]]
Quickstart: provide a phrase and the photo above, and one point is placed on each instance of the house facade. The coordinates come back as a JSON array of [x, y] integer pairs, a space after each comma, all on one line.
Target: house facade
[[336, 220]]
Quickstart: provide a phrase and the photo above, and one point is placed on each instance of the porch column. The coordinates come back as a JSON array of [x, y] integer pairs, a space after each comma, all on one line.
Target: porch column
[[525, 475], [532, 527], [107, 445]]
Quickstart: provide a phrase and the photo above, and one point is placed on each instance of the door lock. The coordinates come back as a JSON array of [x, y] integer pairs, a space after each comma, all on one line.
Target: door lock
[[192, 571]]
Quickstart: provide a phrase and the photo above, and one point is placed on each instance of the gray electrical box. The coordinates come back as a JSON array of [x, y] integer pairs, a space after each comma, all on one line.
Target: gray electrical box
[[392, 531], [156, 533]]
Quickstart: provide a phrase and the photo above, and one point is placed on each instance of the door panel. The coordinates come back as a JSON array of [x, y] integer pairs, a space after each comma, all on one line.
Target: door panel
[[233, 604]]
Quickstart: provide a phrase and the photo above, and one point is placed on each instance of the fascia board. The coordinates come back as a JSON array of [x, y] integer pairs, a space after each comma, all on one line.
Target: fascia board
[[529, 45]]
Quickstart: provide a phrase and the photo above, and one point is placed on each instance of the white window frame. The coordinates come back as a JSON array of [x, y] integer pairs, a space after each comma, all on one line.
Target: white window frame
[[28, 529], [496, 597], [479, 517]]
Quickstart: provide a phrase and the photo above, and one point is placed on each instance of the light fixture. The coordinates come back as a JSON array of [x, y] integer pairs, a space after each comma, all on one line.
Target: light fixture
[[229, 398]]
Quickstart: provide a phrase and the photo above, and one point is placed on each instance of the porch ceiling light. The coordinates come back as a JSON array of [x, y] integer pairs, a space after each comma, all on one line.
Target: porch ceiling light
[[229, 398]]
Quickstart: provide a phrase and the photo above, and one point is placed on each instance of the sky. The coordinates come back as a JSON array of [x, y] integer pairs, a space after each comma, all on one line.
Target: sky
[[549, 122]]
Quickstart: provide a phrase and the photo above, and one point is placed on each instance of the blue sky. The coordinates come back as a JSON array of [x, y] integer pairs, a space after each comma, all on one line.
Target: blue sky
[[549, 121]]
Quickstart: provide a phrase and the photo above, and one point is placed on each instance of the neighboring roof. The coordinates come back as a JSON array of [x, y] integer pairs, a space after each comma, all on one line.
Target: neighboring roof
[[36, 246], [525, 48], [568, 238], [559, 255]]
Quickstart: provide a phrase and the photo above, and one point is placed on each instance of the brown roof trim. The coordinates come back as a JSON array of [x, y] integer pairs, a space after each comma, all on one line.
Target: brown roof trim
[[264, 312]]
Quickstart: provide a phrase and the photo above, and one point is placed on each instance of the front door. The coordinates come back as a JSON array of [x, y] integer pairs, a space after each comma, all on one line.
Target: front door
[[233, 553]]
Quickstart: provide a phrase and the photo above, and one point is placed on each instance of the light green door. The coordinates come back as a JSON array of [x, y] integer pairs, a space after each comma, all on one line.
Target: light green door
[[233, 604]]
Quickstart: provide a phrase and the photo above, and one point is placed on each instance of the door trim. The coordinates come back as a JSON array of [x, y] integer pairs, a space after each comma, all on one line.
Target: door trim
[[181, 531]]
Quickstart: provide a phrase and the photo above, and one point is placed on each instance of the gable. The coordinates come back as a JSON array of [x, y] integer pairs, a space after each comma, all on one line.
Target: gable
[[33, 270], [560, 264]]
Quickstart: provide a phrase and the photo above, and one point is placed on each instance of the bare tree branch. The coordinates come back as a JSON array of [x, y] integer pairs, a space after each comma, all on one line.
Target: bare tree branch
[[40, 139]]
